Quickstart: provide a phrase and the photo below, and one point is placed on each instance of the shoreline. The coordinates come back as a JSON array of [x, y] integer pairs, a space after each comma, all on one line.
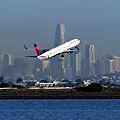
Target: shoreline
[[56, 97], [9, 94]]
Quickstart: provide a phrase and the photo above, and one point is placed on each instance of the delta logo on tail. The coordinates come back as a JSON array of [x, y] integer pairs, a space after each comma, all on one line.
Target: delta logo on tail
[[37, 49], [62, 49]]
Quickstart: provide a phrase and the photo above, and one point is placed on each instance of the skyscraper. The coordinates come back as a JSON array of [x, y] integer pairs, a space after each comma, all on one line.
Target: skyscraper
[[58, 63], [76, 64], [7, 59], [6, 62], [109, 66], [60, 34], [116, 63], [0, 64], [68, 68], [112, 63], [100, 67], [90, 60]]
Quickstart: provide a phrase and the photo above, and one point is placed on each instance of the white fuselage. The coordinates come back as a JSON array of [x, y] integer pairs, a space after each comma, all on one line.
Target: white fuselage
[[59, 49]]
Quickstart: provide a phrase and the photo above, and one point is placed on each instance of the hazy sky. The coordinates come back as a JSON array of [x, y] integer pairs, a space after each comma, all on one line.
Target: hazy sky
[[34, 21]]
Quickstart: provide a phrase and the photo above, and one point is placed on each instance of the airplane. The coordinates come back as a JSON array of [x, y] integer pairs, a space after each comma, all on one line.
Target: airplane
[[62, 49]]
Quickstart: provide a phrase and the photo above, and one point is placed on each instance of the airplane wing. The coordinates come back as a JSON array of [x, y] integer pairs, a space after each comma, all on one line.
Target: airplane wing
[[66, 52], [69, 51]]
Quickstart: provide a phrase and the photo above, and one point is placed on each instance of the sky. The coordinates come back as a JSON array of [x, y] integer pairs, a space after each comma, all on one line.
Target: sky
[[34, 21]]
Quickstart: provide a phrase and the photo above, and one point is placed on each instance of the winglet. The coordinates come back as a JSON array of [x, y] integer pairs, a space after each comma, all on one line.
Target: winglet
[[25, 47]]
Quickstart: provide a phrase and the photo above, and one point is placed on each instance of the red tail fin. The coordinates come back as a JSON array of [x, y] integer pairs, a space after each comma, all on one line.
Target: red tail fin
[[37, 49]]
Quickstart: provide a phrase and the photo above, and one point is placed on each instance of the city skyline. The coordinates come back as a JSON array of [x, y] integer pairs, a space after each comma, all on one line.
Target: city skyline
[[33, 68], [29, 22]]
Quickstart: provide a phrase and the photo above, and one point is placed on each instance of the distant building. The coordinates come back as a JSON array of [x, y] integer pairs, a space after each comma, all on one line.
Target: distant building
[[90, 60], [28, 68], [56, 65], [68, 68], [83, 68], [100, 67], [76, 64], [112, 63], [38, 69], [45, 64], [116, 63], [6, 63], [68, 72], [7, 59], [109, 66], [19, 66], [0, 64], [60, 34]]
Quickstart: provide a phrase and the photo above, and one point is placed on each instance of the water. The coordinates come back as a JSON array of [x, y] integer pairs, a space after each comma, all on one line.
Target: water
[[59, 109]]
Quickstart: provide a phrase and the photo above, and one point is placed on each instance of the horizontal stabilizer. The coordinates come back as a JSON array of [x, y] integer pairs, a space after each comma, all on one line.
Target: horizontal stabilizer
[[31, 56]]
